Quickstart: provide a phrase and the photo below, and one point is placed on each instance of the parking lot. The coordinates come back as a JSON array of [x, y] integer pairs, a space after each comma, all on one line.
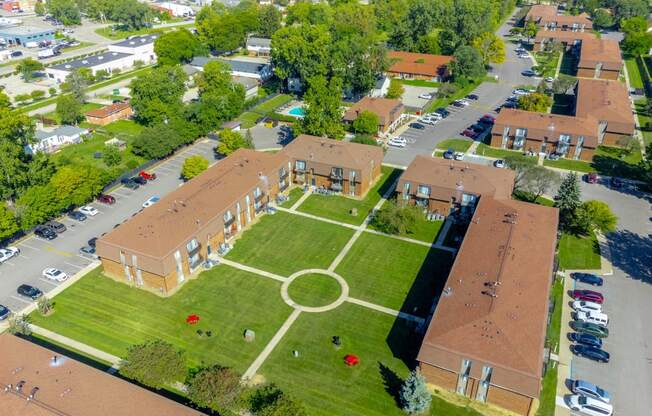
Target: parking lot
[[63, 252]]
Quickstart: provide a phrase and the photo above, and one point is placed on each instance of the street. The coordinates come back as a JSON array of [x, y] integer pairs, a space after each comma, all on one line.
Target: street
[[63, 252]]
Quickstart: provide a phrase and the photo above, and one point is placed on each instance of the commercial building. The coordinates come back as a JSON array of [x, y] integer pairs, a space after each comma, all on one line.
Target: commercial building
[[29, 36], [548, 18], [110, 113], [166, 243], [408, 65], [389, 112], [599, 58], [259, 46], [349, 168], [53, 140], [527, 131], [241, 67], [445, 186], [36, 381], [173, 9], [142, 47]]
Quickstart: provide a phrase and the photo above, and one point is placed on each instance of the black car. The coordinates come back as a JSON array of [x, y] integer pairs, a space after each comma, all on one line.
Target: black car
[[128, 183], [528, 73], [87, 250], [473, 97], [29, 292], [45, 232], [443, 112], [55, 226], [139, 180], [16, 54], [76, 215], [592, 353], [585, 339], [4, 312], [478, 128], [92, 242], [589, 278], [417, 126], [448, 154], [510, 104], [458, 104]]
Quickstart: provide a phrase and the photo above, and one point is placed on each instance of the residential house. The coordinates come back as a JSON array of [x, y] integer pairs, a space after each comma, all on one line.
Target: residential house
[[444, 186], [599, 58], [141, 47], [110, 113], [570, 40], [409, 65], [51, 141], [527, 131], [389, 112], [609, 103], [381, 87], [250, 85], [548, 18], [173, 9], [349, 168], [38, 381], [165, 244], [486, 339], [259, 46], [240, 67]]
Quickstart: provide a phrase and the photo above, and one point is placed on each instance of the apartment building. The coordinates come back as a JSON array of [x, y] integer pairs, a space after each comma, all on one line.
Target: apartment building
[[424, 66], [444, 186], [569, 39], [349, 168], [599, 58], [165, 244], [548, 18], [389, 112], [527, 131]]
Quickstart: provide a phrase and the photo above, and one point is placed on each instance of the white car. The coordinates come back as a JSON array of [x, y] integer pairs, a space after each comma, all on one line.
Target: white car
[[586, 306], [428, 120], [7, 253], [593, 317], [549, 79], [589, 406], [520, 91], [427, 96], [89, 210], [151, 201], [523, 55], [54, 274], [458, 156], [436, 116], [499, 163], [397, 142]]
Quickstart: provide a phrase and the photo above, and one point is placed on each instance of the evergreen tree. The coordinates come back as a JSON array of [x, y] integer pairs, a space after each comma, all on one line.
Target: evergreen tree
[[568, 200], [414, 395]]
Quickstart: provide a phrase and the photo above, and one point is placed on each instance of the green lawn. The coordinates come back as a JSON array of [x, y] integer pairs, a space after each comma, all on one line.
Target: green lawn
[[547, 63], [548, 396], [121, 128], [635, 79], [460, 93], [644, 120], [109, 33], [459, 145], [314, 290], [426, 231], [579, 252], [419, 83], [248, 118], [393, 273], [339, 208], [485, 150], [111, 316], [569, 164], [293, 196], [286, 243], [527, 197]]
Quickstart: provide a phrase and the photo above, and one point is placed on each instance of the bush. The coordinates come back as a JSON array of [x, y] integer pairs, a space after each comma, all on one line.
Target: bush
[[131, 163], [19, 325], [156, 142], [52, 91], [111, 156], [21, 98], [154, 363], [365, 139], [216, 387], [193, 166], [44, 305], [396, 219], [366, 123], [37, 95]]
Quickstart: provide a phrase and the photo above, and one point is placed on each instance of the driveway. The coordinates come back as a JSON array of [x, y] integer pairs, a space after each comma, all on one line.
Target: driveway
[[492, 95], [63, 252]]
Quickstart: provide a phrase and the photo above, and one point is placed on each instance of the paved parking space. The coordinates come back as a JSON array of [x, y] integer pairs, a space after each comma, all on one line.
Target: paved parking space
[[410, 97], [63, 252]]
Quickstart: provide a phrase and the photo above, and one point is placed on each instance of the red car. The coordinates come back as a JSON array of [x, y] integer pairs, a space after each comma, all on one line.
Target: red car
[[147, 176], [469, 133], [588, 295], [591, 177], [106, 199], [488, 119]]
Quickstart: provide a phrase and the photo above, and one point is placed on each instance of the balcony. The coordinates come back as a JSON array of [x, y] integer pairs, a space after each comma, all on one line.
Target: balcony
[[228, 222], [337, 174], [283, 186], [283, 175], [421, 195], [258, 207], [259, 197], [519, 142], [336, 186]]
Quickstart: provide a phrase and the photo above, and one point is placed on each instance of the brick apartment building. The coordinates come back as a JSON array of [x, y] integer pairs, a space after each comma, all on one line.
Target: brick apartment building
[[599, 58], [548, 18], [409, 65], [349, 168], [442, 186], [527, 131], [570, 40], [110, 113], [166, 243], [389, 112]]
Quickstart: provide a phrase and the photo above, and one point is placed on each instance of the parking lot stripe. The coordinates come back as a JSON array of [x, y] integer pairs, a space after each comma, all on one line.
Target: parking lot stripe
[[28, 246], [74, 265], [48, 281], [20, 299], [59, 252]]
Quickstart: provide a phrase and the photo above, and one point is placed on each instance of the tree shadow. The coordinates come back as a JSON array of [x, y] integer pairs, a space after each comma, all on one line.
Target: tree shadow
[[391, 381], [632, 253], [613, 166]]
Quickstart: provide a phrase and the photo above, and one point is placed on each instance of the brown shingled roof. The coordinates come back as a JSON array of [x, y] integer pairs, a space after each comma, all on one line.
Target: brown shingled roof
[[512, 243], [543, 14], [606, 101], [563, 35], [384, 108], [71, 388], [417, 63], [600, 51], [108, 110]]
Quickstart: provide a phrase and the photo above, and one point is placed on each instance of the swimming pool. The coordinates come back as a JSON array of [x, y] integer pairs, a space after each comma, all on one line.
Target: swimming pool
[[297, 112]]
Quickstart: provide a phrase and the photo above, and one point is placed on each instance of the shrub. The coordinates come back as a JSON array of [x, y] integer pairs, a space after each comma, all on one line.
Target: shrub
[[193, 166], [154, 363], [215, 387]]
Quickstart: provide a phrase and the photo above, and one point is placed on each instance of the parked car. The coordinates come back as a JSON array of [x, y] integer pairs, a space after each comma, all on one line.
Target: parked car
[[461, 103], [592, 353], [397, 142], [593, 317], [520, 91], [151, 201], [129, 183], [587, 328], [8, 252], [473, 97], [106, 199], [528, 73], [488, 119], [589, 278], [88, 210], [77, 215], [54, 274], [550, 79], [426, 96], [443, 112], [87, 250], [55, 226], [45, 232], [139, 180], [449, 154], [16, 54], [92, 242], [434, 115], [587, 389], [583, 305], [589, 295], [4, 312], [428, 120], [458, 156], [589, 406], [147, 175], [29, 291], [470, 133], [585, 339], [510, 104], [417, 126], [591, 177]]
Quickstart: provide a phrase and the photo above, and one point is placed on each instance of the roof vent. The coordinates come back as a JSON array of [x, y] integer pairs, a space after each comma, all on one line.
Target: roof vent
[[8, 387], [32, 393], [19, 385], [448, 291], [65, 392]]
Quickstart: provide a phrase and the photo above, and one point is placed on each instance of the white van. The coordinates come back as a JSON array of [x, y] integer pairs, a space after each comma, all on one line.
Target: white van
[[593, 317], [589, 406], [584, 305]]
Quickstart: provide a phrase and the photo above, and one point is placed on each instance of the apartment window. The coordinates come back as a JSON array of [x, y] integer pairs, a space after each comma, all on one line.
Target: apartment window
[[139, 275], [248, 205], [578, 148], [463, 377], [177, 258], [406, 190], [423, 191], [564, 143], [282, 173], [485, 380], [352, 179], [228, 217], [192, 245], [300, 165], [337, 173]]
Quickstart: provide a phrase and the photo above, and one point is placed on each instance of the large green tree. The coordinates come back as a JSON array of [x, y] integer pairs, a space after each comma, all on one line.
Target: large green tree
[[230, 141], [217, 388], [8, 222], [535, 102], [366, 123], [568, 200], [65, 11], [156, 141], [27, 67], [467, 64], [156, 95], [193, 166], [269, 21], [323, 113], [491, 48], [69, 109], [301, 52], [154, 363], [220, 98], [177, 47]]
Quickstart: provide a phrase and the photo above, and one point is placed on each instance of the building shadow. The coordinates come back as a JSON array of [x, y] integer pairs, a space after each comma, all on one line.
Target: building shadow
[[632, 253]]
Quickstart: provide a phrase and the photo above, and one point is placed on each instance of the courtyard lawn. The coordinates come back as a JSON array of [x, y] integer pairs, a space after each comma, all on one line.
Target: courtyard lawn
[[426, 231], [293, 196], [286, 243], [419, 83], [547, 63], [569, 164], [339, 208], [111, 316], [458, 145], [488, 151], [272, 104], [248, 119], [579, 252], [396, 274], [320, 379], [634, 74], [314, 290], [121, 128], [644, 120]]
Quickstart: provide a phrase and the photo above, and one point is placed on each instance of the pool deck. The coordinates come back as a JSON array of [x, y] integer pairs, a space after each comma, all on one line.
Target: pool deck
[[291, 106]]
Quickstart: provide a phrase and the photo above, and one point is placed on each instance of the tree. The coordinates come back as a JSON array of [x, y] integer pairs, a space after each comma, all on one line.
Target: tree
[[467, 63], [301, 52], [52, 91], [414, 395], [131, 14], [446, 90], [76, 184], [39, 8], [393, 218], [220, 98], [230, 141], [633, 25], [27, 67], [193, 166], [16, 127], [366, 123], [37, 94], [323, 115], [177, 47], [602, 18], [635, 44], [491, 48], [156, 142], [44, 305], [599, 215], [221, 32], [5, 101], [76, 83], [111, 156], [269, 21], [539, 180], [269, 400], [535, 101], [568, 200], [563, 83], [19, 325], [395, 89], [530, 30], [8, 222], [217, 388], [69, 109], [625, 9], [65, 11], [521, 165], [154, 363], [156, 95]]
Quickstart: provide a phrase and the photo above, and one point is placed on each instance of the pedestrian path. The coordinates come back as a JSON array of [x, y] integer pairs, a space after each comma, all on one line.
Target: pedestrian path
[[383, 309], [252, 270], [300, 201], [76, 345]]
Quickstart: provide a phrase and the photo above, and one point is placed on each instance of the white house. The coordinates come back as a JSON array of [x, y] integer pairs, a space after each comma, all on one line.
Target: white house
[[380, 88], [142, 47], [50, 141], [259, 46], [240, 67]]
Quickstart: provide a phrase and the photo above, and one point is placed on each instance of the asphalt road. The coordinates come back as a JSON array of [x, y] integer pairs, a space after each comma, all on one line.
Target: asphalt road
[[492, 95], [63, 252], [628, 302]]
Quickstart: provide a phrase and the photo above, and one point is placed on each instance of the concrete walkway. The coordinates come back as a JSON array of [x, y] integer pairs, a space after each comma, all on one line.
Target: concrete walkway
[[252, 270], [383, 309], [300, 201]]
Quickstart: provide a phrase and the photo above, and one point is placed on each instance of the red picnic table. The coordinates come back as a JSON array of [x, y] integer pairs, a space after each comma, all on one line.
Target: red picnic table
[[351, 360], [192, 319]]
